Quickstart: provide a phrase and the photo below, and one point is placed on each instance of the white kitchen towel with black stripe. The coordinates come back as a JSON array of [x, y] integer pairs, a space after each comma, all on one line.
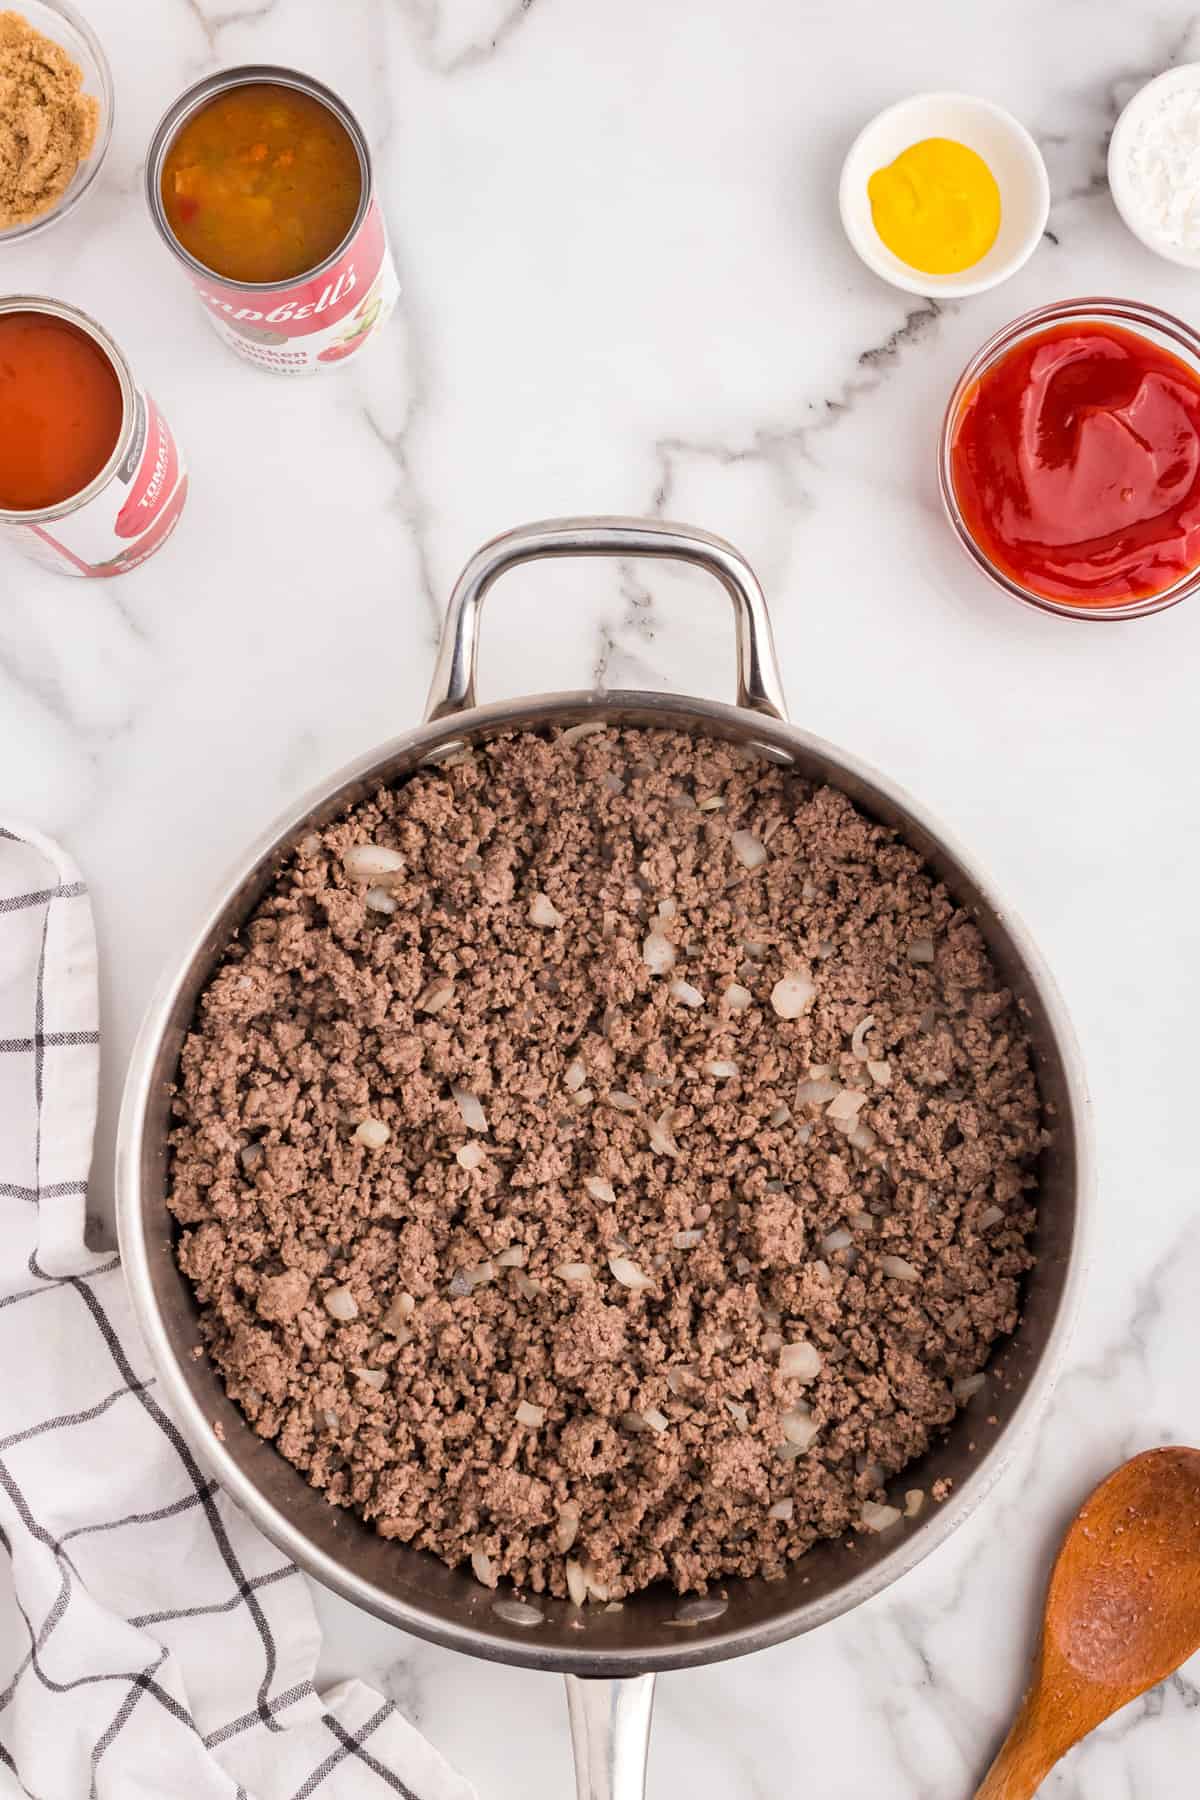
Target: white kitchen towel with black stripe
[[152, 1644]]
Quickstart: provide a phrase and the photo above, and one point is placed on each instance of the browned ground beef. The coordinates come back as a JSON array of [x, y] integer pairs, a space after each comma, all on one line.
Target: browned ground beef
[[891, 1240]]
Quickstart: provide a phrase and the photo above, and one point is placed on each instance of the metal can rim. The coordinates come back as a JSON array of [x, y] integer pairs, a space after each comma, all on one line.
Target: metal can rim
[[198, 95], [71, 315]]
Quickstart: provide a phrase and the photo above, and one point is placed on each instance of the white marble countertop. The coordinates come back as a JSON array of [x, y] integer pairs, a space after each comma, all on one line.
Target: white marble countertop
[[625, 289]]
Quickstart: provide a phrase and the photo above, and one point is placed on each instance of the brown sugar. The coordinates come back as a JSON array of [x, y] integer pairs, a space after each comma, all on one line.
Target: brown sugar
[[47, 124]]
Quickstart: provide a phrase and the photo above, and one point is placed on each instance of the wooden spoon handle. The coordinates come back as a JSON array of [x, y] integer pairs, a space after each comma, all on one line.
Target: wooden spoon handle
[[1023, 1764]]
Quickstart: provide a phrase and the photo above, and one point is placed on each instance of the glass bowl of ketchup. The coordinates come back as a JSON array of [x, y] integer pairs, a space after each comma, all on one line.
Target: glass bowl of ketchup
[[1069, 460]]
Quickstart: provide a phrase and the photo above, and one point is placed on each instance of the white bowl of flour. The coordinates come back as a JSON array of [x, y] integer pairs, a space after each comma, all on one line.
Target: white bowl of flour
[[1154, 165]]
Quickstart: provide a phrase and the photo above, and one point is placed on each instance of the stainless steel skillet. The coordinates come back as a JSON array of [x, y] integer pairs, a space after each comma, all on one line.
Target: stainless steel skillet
[[610, 1659]]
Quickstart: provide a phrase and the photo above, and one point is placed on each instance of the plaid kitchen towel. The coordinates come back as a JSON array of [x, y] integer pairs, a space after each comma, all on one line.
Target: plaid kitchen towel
[[152, 1645]]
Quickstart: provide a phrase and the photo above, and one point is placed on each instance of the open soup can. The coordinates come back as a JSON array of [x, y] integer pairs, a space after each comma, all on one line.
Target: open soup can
[[260, 182], [92, 483]]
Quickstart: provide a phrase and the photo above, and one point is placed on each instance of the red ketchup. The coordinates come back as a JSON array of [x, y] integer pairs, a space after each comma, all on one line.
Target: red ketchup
[[1076, 465]]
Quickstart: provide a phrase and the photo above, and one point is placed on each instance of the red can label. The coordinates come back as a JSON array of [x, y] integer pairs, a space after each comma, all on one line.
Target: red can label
[[319, 320], [131, 517]]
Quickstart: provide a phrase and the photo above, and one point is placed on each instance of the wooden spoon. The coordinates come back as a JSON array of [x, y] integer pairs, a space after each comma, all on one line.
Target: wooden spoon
[[1122, 1612]]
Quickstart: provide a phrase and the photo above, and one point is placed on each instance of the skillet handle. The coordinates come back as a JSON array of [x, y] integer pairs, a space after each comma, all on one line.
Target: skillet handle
[[759, 686], [610, 1736]]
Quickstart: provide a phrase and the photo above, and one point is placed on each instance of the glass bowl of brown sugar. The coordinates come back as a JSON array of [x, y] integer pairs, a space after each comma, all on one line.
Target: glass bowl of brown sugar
[[56, 114]]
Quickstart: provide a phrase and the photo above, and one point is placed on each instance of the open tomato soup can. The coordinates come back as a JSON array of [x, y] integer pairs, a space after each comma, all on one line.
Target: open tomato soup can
[[260, 182], [91, 478]]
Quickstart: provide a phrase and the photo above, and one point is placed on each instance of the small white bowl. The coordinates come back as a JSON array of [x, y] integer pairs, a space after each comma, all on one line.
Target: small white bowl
[[1007, 149], [1187, 75]]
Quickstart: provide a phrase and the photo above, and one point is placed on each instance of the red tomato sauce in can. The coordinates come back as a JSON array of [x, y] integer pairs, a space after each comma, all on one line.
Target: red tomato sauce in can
[[91, 479]]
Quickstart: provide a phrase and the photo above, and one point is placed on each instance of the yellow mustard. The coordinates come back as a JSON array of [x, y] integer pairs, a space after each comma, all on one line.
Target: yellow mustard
[[937, 207]]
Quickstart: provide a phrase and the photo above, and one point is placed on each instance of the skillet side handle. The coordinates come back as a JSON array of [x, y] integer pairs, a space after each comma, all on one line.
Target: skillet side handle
[[610, 1736], [759, 687]]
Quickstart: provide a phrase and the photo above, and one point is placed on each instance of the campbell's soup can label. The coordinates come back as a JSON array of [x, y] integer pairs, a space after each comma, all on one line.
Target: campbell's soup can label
[[130, 509], [321, 318]]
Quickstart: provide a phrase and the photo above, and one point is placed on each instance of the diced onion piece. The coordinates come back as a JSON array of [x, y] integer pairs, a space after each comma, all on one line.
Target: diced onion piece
[[737, 998], [657, 1421], [835, 1240], [658, 953], [991, 1215], [470, 1109], [686, 993], [667, 908], [800, 1361], [582, 1097], [435, 997], [687, 1240], [862, 1221], [473, 1275], [566, 1529], [481, 1563], [375, 1378], [858, 1039], [799, 1426], [577, 1586], [738, 1412], [622, 1101], [332, 1422], [379, 900], [782, 1509], [364, 862], [878, 1518], [525, 1285], [914, 1500], [721, 1069], [899, 1268], [573, 733], [600, 1189], [628, 1273], [921, 950], [575, 1076], [575, 1274], [519, 1612], [820, 1071], [792, 997], [528, 1414], [542, 911], [373, 1133], [469, 1156], [661, 1138], [749, 850], [880, 1073], [341, 1304], [781, 1114], [699, 1612], [251, 1155], [846, 1105], [515, 1257], [862, 1137], [815, 1093], [968, 1385], [398, 1314]]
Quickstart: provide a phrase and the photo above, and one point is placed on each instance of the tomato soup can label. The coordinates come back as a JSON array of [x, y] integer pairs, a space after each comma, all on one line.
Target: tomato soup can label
[[130, 510], [320, 319]]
